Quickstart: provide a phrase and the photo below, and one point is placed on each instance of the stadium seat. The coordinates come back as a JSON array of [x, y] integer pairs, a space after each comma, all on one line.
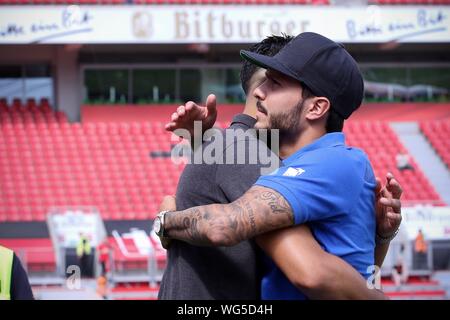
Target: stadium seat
[[108, 165], [226, 2], [438, 134], [371, 137], [37, 254]]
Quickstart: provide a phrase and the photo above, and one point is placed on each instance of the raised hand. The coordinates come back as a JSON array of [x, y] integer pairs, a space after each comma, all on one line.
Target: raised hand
[[388, 206], [186, 114]]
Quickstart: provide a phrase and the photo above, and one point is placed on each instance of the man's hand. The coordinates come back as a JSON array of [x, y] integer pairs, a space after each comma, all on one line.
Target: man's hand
[[388, 206], [186, 114], [168, 204]]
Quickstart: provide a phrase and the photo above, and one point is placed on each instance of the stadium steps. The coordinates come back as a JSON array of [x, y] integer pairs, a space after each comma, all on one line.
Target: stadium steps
[[37, 254], [371, 136], [438, 134], [423, 153], [134, 292], [415, 289], [42, 280], [418, 295], [87, 291]]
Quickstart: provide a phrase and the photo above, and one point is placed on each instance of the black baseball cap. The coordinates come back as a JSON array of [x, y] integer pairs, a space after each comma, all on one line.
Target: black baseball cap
[[323, 65]]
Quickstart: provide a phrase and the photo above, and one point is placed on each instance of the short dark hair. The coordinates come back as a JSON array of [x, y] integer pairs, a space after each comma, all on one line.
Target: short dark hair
[[335, 123], [269, 47]]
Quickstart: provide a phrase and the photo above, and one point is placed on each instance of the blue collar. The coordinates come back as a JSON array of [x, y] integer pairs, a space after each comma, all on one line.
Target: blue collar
[[326, 141]]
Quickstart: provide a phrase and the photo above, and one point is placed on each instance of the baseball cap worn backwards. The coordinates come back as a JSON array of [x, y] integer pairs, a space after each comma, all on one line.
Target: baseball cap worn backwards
[[321, 64]]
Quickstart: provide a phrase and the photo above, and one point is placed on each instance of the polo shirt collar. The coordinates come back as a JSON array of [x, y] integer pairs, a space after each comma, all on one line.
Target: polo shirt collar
[[243, 119], [326, 141]]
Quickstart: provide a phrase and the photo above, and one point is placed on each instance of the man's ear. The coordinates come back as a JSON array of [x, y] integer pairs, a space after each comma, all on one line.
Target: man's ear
[[317, 108]]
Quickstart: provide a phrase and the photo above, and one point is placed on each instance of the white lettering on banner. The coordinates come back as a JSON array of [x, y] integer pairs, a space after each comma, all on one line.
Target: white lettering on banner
[[220, 23]]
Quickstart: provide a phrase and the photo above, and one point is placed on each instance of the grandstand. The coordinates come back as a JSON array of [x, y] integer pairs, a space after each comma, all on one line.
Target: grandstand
[[124, 169], [83, 103], [221, 2], [437, 133], [47, 162]]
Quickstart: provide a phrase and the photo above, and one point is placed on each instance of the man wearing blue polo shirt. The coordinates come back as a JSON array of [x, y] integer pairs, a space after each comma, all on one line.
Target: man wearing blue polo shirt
[[312, 85], [330, 186]]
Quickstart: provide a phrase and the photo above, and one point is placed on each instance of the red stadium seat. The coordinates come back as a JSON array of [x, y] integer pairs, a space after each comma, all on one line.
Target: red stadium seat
[[108, 165], [416, 186], [38, 254], [438, 135]]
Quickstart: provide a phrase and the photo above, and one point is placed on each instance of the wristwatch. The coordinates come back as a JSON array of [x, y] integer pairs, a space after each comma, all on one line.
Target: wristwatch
[[383, 240], [158, 224]]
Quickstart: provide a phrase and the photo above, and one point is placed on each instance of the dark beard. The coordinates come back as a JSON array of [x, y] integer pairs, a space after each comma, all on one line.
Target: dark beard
[[288, 124]]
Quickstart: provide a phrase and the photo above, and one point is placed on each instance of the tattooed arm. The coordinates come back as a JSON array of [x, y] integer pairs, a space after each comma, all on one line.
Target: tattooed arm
[[258, 211]]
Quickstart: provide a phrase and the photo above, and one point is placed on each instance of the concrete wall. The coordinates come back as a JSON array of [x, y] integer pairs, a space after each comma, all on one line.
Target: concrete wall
[[67, 82], [65, 71]]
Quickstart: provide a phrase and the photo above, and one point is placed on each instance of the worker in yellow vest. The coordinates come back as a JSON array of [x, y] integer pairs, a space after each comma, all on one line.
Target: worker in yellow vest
[[83, 253], [14, 284]]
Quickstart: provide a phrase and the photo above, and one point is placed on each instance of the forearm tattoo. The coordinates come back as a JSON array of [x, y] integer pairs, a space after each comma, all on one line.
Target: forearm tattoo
[[258, 211]]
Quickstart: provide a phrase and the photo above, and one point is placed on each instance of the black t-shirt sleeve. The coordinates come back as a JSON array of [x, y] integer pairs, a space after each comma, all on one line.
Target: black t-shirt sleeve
[[20, 286]]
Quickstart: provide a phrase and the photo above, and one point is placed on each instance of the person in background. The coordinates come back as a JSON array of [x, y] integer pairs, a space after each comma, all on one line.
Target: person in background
[[14, 284], [83, 254], [103, 250], [404, 161], [400, 270], [102, 287], [420, 252]]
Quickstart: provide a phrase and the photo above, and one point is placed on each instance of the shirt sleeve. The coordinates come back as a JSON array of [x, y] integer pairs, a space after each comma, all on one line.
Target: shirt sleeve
[[20, 286], [315, 189]]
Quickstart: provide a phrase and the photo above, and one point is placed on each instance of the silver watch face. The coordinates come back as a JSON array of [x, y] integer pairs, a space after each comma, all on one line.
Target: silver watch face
[[157, 225]]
